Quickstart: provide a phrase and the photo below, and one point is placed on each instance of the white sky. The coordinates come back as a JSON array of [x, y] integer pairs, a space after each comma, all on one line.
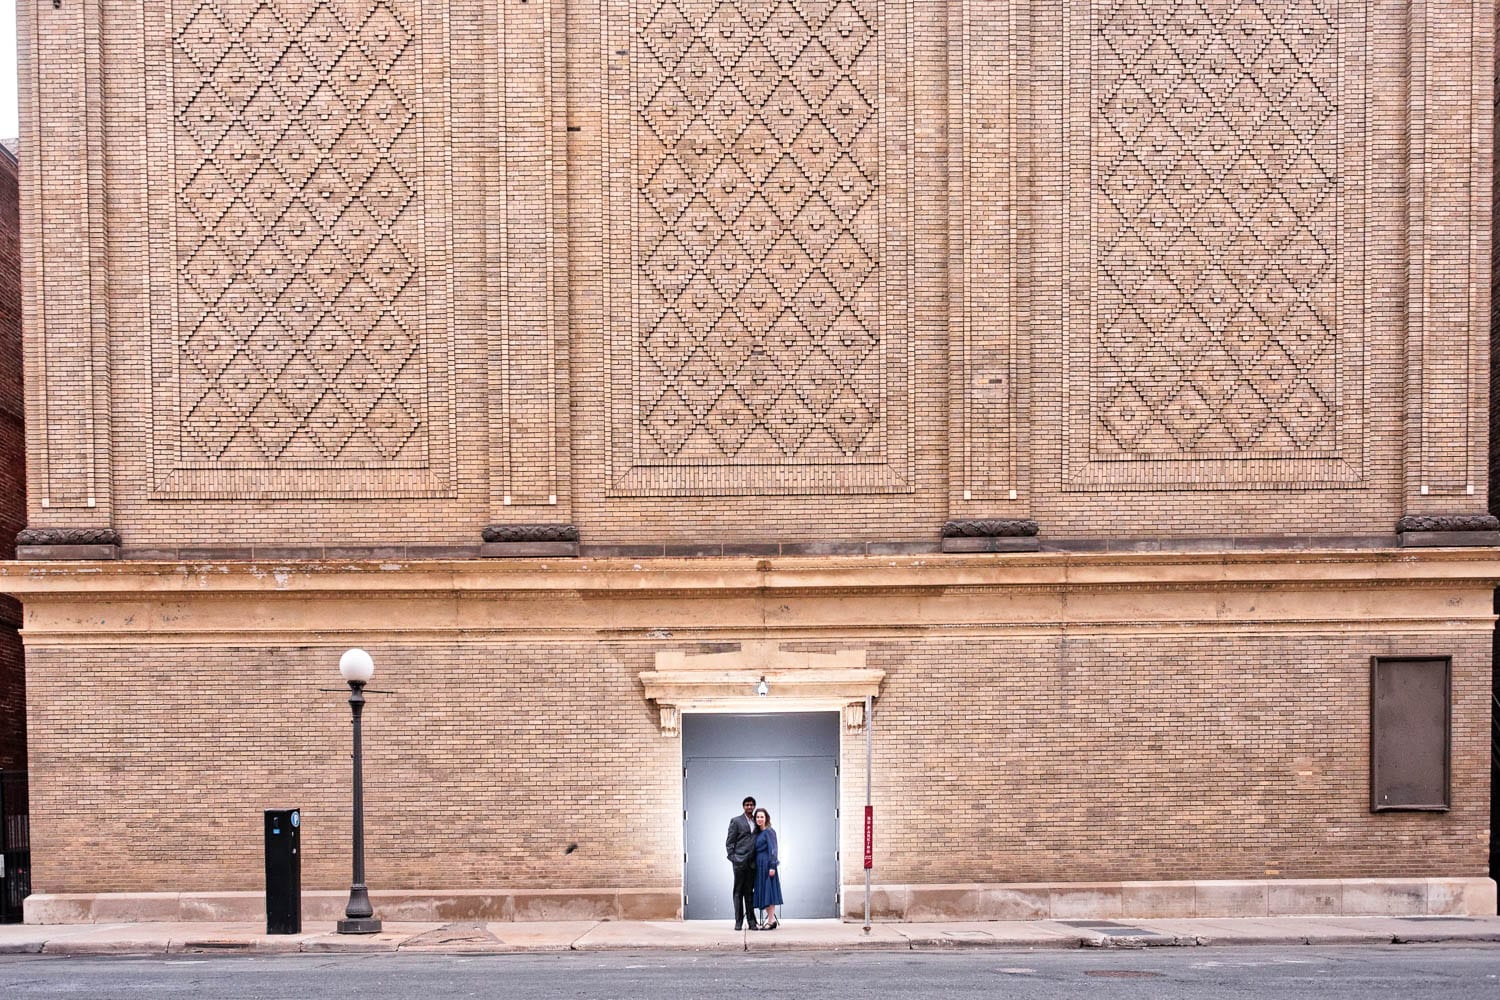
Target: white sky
[[9, 115]]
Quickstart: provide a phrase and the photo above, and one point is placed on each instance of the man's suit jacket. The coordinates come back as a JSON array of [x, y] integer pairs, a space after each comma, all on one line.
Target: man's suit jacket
[[740, 844]]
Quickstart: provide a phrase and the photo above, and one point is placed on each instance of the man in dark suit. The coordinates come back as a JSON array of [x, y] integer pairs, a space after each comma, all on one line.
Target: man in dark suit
[[740, 848]]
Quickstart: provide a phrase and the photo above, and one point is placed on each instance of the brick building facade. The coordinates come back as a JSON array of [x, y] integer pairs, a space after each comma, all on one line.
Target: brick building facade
[[12, 465], [1102, 387]]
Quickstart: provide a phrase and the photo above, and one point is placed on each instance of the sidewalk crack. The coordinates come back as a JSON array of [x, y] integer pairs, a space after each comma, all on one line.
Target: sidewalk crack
[[573, 945]]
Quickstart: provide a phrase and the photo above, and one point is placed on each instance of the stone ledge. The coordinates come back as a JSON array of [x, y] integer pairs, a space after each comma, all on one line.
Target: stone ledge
[[1181, 899], [528, 550], [997, 543], [61, 552], [1448, 539], [323, 905]]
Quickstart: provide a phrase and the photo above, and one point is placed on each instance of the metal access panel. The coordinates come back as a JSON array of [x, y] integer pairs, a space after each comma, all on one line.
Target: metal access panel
[[1411, 732], [789, 763]]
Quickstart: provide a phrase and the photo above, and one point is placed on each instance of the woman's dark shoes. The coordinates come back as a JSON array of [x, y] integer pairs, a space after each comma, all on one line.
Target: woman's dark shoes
[[772, 925]]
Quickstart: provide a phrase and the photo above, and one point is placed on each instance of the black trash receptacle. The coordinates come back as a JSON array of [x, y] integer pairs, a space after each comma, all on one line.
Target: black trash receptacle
[[283, 871]]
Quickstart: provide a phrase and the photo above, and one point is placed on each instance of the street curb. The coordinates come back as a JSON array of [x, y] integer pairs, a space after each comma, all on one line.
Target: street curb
[[1444, 939], [1134, 942], [92, 949], [938, 945], [904, 941], [22, 948], [375, 943], [289, 946]]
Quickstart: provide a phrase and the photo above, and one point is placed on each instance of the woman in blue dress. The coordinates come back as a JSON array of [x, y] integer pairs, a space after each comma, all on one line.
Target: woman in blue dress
[[767, 882]]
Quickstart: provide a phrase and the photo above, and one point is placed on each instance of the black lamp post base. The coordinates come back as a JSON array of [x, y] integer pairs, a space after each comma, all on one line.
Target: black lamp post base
[[359, 925]]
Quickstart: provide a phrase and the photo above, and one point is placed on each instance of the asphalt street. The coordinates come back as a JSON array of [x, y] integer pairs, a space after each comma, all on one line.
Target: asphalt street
[[1412, 972]]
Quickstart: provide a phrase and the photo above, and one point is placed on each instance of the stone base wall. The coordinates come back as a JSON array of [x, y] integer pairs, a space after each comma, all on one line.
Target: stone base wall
[[905, 903], [1184, 899], [432, 905]]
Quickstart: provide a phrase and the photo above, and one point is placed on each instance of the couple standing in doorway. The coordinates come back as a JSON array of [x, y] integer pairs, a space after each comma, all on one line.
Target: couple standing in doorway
[[751, 846]]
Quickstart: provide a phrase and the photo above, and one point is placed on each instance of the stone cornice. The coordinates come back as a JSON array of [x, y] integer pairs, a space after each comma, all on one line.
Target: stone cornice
[[1050, 570], [1430, 590]]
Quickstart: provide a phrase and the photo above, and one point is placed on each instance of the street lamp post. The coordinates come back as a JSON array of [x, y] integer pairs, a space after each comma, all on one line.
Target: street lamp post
[[356, 667]]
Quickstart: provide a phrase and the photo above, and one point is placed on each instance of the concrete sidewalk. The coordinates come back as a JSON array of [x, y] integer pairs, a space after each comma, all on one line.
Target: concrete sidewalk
[[793, 935]]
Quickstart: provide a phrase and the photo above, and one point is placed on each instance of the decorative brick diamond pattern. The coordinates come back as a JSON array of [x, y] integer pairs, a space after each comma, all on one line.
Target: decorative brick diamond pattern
[[299, 230], [1216, 157], [759, 269]]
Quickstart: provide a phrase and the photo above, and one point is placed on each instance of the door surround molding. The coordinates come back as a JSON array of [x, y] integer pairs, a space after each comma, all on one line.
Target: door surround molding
[[728, 681]]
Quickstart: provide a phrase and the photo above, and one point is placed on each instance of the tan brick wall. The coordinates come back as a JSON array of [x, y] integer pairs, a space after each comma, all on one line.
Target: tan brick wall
[[1054, 759], [1171, 757], [1274, 332], [149, 771]]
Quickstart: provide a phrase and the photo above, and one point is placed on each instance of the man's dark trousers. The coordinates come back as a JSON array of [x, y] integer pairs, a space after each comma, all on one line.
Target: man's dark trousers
[[744, 893], [739, 848]]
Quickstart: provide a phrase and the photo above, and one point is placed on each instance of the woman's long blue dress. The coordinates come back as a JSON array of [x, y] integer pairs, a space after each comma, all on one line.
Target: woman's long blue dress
[[767, 889]]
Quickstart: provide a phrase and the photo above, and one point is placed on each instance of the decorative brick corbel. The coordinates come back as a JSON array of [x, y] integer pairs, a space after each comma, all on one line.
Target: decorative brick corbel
[[502, 541], [68, 543], [671, 720], [991, 535], [1463, 530]]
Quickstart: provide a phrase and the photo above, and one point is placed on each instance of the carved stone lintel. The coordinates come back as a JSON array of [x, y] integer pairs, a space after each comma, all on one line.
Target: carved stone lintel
[[529, 541], [496, 533], [68, 536], [854, 717], [997, 527], [1448, 522], [68, 543], [671, 721], [1448, 530]]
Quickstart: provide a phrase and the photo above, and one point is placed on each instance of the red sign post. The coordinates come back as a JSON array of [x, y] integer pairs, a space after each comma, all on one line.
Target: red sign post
[[869, 837]]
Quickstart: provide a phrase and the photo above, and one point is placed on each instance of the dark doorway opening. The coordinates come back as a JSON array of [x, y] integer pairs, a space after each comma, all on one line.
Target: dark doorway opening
[[15, 846]]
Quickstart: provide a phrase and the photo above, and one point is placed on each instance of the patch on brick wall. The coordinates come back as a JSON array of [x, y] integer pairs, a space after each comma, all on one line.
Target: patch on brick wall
[[1222, 346], [312, 351], [758, 164]]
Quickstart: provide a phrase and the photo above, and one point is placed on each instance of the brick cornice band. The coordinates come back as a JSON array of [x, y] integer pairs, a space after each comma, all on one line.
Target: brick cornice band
[[991, 528], [499, 533]]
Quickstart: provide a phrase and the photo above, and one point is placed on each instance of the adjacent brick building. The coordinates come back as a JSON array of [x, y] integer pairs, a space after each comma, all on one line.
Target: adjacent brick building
[[12, 465], [1100, 387]]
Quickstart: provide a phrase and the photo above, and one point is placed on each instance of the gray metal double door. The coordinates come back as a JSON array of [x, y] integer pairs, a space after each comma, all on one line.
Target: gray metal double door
[[789, 763]]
